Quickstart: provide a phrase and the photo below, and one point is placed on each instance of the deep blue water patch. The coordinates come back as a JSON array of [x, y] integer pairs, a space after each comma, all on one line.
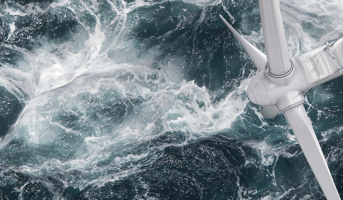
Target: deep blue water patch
[[9, 111]]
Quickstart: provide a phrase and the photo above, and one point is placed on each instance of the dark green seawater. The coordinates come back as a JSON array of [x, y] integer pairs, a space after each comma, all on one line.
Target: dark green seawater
[[146, 99]]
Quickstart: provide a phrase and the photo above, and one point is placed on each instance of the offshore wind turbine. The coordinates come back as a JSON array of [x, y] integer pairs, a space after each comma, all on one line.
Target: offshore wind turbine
[[281, 82]]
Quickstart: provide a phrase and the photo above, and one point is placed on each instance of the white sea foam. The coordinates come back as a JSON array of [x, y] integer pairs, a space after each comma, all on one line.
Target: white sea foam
[[310, 24], [89, 108]]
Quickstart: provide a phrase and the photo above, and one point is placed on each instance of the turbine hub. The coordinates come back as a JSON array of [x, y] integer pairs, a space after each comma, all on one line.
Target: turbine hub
[[264, 92]]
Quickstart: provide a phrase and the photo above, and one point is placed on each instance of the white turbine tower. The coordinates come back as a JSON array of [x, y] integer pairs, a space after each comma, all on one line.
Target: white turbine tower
[[281, 83]]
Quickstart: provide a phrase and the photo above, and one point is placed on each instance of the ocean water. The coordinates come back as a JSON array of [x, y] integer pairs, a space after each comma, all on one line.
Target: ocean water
[[146, 99]]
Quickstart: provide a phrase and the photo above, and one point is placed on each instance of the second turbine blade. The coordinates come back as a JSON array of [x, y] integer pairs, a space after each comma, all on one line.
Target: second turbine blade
[[302, 128]]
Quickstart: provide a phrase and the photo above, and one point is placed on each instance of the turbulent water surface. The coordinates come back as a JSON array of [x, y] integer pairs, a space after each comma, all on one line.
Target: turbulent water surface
[[146, 99]]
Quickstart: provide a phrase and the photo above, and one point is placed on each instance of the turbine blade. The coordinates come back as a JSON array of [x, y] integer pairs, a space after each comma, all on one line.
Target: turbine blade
[[274, 37], [259, 58], [322, 64], [270, 112], [302, 128]]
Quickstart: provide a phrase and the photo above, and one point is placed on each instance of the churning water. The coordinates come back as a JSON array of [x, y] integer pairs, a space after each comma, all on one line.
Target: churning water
[[146, 99]]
